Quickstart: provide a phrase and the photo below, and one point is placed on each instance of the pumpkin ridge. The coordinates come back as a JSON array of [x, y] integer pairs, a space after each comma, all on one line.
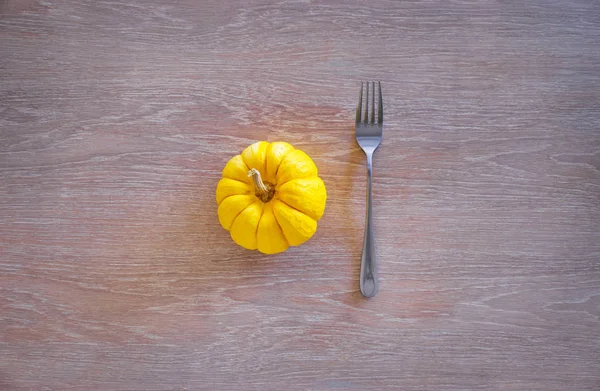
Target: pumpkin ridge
[[295, 176], [262, 213], [281, 161], [238, 215], [291, 207], [245, 162], [233, 195], [237, 180], [267, 153], [281, 229], [234, 179], [227, 187], [255, 156]]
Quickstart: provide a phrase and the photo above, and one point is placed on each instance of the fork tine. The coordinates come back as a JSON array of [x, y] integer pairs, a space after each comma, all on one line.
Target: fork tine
[[380, 109], [367, 105], [373, 104], [359, 106]]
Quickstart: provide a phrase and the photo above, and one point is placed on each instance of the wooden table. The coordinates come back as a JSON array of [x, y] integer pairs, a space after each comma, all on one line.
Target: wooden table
[[116, 121]]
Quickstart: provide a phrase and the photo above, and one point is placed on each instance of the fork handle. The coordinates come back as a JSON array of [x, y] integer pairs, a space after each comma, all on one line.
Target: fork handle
[[369, 283]]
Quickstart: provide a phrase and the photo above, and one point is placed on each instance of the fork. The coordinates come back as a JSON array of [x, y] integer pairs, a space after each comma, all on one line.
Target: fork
[[369, 132]]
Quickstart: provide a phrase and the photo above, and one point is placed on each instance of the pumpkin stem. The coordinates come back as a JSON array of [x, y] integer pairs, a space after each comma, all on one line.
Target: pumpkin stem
[[264, 190]]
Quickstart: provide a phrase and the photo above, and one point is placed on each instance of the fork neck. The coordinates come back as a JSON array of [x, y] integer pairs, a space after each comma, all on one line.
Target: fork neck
[[369, 160]]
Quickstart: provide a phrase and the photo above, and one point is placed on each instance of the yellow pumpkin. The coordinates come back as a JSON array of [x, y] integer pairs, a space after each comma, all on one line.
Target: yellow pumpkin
[[270, 197]]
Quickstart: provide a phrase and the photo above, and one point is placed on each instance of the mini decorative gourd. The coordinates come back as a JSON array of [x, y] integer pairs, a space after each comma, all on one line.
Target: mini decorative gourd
[[270, 197]]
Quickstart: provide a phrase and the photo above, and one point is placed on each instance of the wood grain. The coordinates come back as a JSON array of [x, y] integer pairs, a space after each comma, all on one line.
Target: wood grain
[[116, 119]]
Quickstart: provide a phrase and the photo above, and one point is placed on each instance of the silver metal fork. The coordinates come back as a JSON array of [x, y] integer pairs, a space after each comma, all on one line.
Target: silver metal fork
[[369, 132]]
